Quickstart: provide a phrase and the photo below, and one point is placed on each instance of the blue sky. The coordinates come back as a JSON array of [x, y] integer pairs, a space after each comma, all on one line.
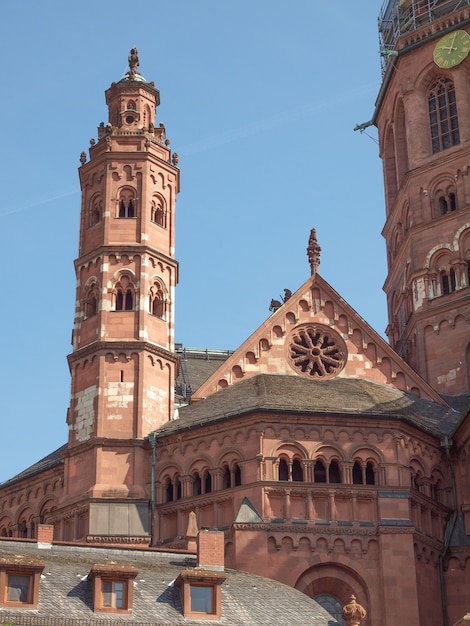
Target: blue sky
[[259, 99]]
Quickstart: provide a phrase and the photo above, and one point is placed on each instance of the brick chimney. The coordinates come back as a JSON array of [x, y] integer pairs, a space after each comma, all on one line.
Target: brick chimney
[[45, 536], [210, 549]]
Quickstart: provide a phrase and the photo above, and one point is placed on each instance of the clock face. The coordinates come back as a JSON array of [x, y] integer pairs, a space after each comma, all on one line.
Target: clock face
[[452, 49]]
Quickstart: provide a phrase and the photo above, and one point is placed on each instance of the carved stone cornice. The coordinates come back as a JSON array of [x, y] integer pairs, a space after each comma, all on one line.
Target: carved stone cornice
[[119, 249], [119, 539], [396, 530], [310, 529], [122, 346]]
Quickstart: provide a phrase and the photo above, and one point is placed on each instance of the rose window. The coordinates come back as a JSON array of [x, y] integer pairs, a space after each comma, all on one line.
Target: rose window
[[317, 351]]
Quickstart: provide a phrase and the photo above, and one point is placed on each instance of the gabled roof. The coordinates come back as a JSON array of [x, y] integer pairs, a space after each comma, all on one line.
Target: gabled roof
[[368, 356], [349, 398]]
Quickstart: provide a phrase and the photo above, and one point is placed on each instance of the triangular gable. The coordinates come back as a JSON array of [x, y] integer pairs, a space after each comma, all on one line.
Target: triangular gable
[[310, 321]]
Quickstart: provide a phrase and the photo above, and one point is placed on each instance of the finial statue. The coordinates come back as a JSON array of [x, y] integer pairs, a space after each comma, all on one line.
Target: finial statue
[[133, 63], [353, 612], [313, 252]]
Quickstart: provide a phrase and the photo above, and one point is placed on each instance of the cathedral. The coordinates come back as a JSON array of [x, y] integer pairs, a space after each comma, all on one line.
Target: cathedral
[[329, 459]]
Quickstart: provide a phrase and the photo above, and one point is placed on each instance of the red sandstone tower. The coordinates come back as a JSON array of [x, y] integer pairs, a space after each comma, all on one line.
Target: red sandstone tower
[[423, 117], [123, 361]]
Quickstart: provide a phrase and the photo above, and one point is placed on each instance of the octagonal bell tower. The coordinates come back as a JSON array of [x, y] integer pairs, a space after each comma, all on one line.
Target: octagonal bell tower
[[423, 118], [123, 363]]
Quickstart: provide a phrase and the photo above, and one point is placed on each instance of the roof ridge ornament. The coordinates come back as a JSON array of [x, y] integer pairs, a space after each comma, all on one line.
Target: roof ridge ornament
[[313, 252]]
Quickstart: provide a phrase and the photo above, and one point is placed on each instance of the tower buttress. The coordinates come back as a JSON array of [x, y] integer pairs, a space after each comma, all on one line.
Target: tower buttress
[[423, 118], [123, 364]]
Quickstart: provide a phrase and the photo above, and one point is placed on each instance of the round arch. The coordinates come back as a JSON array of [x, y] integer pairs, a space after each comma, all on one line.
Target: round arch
[[335, 580]]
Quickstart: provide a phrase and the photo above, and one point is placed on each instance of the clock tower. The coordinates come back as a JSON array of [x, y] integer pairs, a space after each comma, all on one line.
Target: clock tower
[[123, 363], [423, 117]]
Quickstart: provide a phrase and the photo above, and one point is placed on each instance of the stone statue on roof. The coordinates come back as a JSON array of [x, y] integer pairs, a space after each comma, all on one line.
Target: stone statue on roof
[[133, 62], [313, 252]]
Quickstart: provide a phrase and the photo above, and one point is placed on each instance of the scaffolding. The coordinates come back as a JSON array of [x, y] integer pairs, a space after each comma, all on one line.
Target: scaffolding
[[398, 17]]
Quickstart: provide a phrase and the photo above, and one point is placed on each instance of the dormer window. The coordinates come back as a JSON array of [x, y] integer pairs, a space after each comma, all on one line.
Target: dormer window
[[201, 592], [19, 581], [112, 587]]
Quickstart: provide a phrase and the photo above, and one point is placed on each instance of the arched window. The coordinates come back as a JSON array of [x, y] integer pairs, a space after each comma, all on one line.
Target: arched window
[[237, 475], [197, 486], [283, 470], [448, 283], [124, 300], [333, 606], [334, 472], [158, 213], [357, 473], [177, 488], [226, 478], [207, 482], [319, 472], [370, 473], [169, 490], [126, 208], [157, 301], [127, 203], [297, 471], [94, 213], [443, 118], [124, 295], [22, 530], [452, 279], [91, 301], [452, 202], [447, 203]]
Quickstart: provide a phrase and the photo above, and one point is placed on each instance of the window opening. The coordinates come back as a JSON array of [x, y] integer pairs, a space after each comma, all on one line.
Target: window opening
[[226, 478], [197, 487], [169, 491], [452, 202], [370, 473], [126, 208], [208, 483], [297, 471], [158, 214], [445, 283], [18, 588], [124, 299], [357, 473], [113, 594], [334, 472], [237, 473], [333, 606], [452, 279], [442, 205], [443, 118], [319, 472], [157, 302], [202, 599], [178, 488], [283, 470]]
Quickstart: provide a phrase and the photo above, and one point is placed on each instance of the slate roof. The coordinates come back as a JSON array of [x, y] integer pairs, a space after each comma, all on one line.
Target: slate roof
[[49, 461], [347, 397], [195, 367], [65, 594]]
